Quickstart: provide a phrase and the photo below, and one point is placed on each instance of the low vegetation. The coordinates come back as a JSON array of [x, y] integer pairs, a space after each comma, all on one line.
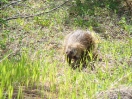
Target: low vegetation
[[32, 64]]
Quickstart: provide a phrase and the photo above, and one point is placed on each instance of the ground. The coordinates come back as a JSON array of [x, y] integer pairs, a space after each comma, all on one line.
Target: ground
[[32, 59]]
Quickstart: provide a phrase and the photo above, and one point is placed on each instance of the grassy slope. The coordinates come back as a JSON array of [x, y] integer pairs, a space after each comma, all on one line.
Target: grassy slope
[[36, 68]]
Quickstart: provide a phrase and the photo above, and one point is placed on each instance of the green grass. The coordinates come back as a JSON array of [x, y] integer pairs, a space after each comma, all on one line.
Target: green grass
[[41, 72], [21, 73], [61, 80]]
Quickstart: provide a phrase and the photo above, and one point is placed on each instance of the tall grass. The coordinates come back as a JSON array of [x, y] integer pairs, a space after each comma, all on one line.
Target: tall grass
[[61, 80], [17, 73]]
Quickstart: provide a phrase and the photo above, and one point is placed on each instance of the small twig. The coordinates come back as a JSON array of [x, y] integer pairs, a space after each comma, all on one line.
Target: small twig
[[13, 2], [113, 84], [6, 57], [16, 17], [116, 82]]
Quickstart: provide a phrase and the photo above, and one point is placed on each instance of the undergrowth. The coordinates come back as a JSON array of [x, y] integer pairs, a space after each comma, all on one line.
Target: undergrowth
[[36, 68], [61, 80]]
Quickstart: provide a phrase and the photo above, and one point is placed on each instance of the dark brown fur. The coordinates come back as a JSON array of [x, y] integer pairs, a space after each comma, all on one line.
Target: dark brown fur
[[77, 46]]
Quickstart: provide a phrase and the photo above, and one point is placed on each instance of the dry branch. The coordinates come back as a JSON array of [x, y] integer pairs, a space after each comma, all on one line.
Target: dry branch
[[13, 2], [16, 17]]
